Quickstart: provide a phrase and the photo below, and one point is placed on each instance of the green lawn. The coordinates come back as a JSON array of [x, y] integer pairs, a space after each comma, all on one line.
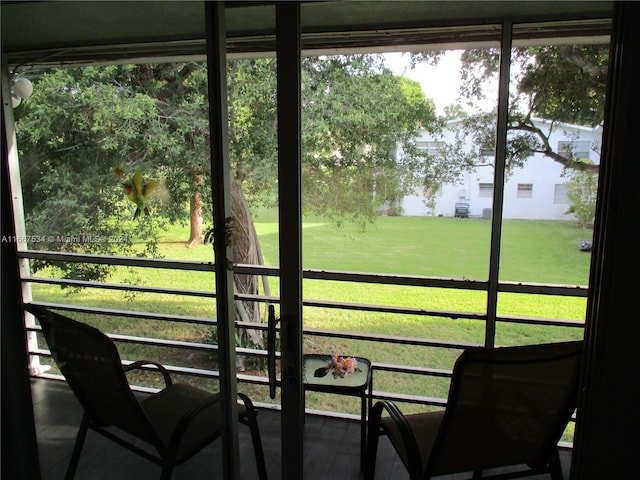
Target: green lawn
[[531, 251]]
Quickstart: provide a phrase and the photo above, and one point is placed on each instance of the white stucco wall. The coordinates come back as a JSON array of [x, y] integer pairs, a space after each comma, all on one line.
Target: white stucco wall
[[540, 171]]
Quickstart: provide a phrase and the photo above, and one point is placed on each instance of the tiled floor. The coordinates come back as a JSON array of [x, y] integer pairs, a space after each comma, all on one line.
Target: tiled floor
[[331, 447]]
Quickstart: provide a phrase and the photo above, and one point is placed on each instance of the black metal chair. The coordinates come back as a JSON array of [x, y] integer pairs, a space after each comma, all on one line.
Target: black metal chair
[[179, 420], [506, 407]]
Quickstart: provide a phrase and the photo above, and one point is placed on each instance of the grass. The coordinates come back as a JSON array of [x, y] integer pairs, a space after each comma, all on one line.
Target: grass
[[531, 251]]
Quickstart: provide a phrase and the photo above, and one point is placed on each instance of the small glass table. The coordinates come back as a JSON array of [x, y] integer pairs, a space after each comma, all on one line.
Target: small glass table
[[356, 384]]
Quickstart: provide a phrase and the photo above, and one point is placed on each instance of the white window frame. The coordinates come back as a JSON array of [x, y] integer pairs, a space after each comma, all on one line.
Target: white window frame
[[485, 190], [430, 147], [576, 148], [525, 190], [560, 194]]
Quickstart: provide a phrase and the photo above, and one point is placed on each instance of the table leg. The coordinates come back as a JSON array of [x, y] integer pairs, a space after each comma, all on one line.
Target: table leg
[[363, 430]]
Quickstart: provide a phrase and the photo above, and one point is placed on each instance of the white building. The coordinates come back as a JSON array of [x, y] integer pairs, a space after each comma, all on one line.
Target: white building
[[537, 191]]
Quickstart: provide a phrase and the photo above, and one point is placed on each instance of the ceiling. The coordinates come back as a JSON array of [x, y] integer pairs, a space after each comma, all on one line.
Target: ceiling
[[54, 32]]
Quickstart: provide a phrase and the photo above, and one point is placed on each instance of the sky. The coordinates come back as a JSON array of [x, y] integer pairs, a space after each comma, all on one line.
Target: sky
[[440, 83]]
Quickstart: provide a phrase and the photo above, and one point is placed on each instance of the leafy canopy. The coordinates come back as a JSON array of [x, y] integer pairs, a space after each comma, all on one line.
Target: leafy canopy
[[560, 83], [82, 124]]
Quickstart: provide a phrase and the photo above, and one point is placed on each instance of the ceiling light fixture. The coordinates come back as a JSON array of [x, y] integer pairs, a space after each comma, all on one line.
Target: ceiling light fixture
[[20, 88]]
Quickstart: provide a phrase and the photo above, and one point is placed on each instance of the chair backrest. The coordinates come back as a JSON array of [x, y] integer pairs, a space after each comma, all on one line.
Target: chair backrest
[[90, 362], [507, 406]]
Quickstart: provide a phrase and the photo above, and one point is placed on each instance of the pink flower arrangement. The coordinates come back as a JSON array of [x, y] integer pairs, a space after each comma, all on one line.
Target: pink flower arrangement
[[342, 366]]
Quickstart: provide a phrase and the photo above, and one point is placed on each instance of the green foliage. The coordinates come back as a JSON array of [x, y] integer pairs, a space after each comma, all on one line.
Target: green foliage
[[355, 113], [454, 112], [252, 128], [83, 124], [478, 66], [566, 82], [582, 192], [560, 83], [78, 125]]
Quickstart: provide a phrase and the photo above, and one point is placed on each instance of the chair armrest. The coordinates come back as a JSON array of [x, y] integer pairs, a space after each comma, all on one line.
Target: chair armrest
[[142, 363], [248, 404], [406, 432]]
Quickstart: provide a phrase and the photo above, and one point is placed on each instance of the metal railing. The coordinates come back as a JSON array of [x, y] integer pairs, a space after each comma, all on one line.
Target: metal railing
[[327, 275]]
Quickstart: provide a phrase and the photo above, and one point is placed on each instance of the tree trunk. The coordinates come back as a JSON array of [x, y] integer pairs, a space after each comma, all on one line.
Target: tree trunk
[[246, 249], [195, 219]]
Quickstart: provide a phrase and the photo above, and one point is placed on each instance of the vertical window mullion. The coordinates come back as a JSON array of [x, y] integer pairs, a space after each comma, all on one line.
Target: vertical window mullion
[[221, 192], [498, 182]]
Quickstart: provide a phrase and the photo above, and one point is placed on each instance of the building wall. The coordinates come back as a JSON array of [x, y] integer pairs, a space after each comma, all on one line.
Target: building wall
[[540, 172]]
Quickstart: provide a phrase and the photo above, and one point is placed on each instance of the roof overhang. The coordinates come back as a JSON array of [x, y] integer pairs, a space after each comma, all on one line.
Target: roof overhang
[[82, 32]]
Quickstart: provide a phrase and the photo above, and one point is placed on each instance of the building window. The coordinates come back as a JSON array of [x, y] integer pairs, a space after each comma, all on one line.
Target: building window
[[560, 194], [525, 190], [486, 190], [574, 149], [487, 152], [430, 148]]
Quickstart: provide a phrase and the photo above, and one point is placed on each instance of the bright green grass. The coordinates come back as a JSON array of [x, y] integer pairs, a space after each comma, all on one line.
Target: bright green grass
[[531, 251]]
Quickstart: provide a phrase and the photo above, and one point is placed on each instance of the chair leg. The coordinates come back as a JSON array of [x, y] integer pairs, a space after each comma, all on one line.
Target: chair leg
[[372, 443], [77, 448], [257, 446], [252, 422]]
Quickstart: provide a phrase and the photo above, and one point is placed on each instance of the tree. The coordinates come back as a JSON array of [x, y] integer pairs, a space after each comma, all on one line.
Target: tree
[[72, 133], [355, 115], [154, 117], [564, 83], [455, 112], [582, 190], [179, 93]]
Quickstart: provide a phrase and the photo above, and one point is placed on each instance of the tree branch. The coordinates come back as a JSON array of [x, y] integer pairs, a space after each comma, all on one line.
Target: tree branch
[[528, 126]]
